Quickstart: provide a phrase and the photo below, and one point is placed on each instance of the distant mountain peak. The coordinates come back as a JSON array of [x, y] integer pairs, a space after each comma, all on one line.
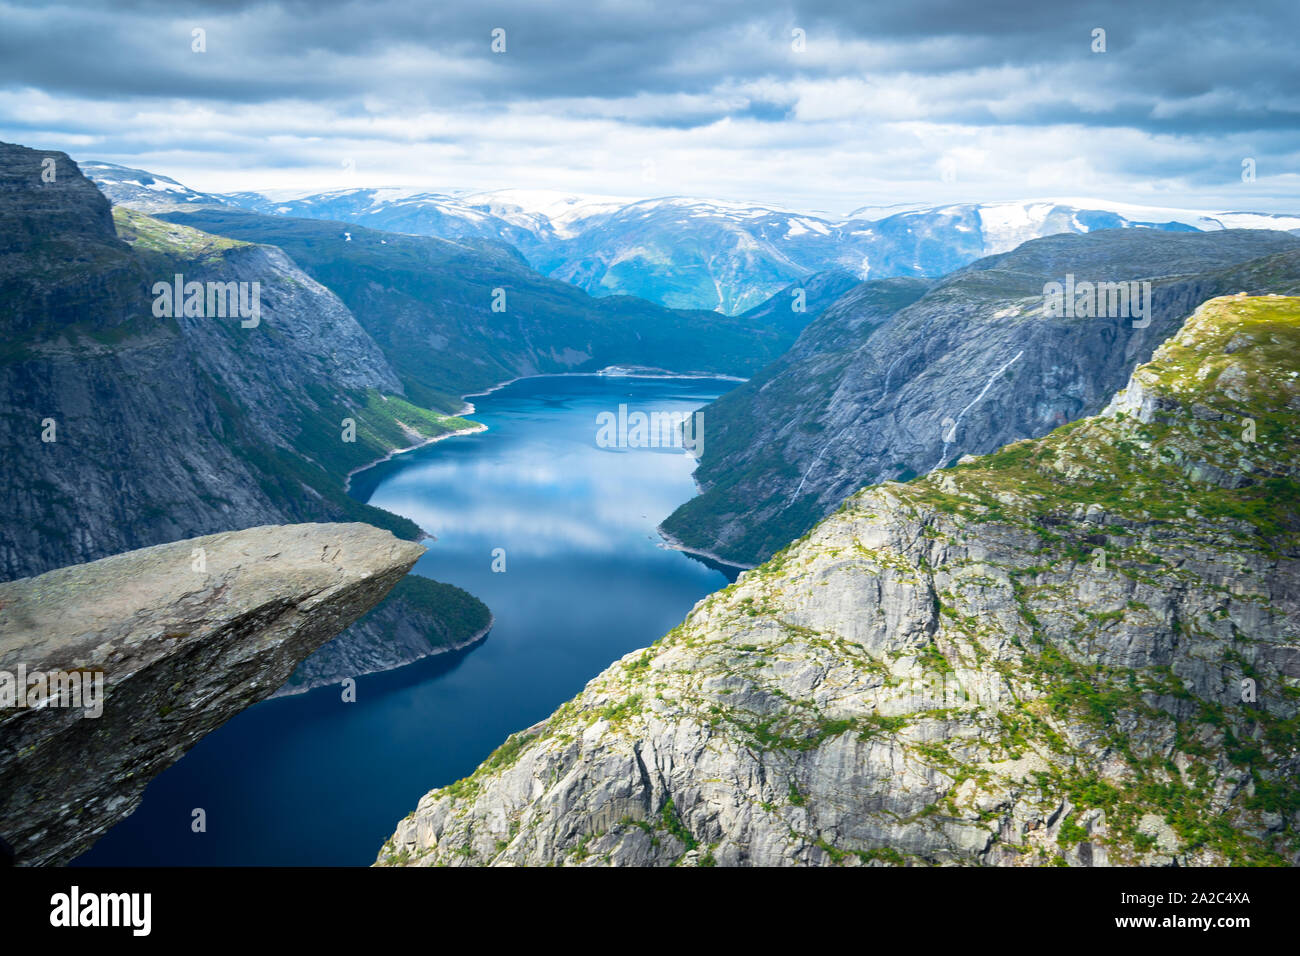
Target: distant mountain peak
[[690, 251]]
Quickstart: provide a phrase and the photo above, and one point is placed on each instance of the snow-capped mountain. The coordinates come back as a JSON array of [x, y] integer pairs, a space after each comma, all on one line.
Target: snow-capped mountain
[[695, 253], [565, 215], [400, 209], [700, 253], [143, 190], [1004, 225], [1138, 215]]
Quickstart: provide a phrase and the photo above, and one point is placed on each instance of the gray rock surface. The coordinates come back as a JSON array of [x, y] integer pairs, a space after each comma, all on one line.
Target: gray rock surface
[[885, 387], [182, 650], [1033, 658]]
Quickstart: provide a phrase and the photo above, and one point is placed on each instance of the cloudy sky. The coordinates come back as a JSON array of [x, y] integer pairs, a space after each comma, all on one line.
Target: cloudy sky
[[814, 105]]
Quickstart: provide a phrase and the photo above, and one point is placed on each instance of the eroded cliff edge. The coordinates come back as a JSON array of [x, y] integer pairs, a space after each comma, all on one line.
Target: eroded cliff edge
[[1082, 649], [186, 635]]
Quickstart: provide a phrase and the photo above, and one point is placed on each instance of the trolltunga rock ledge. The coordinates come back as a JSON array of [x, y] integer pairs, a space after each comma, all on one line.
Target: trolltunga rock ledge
[[184, 644]]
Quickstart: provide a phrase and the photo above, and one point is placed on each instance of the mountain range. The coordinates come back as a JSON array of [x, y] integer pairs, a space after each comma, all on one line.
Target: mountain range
[[692, 253], [365, 344], [1016, 569]]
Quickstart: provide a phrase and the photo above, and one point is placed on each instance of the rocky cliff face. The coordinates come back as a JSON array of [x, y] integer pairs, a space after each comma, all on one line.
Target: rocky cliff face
[[124, 429], [1079, 650], [878, 389], [185, 635], [455, 318]]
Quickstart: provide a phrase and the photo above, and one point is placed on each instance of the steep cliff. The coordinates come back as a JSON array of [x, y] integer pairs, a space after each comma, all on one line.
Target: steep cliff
[[873, 390], [458, 317], [185, 635], [123, 428], [1079, 650]]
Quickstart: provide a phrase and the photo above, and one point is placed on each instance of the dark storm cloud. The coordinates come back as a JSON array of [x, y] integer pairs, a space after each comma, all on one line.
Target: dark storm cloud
[[438, 54], [263, 51]]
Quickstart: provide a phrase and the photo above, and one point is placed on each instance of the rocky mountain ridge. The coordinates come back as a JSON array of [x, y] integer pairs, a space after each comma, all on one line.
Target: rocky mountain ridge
[[882, 387], [695, 253], [1079, 650]]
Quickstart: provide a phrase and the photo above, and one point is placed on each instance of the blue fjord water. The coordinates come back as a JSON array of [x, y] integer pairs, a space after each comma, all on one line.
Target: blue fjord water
[[312, 780]]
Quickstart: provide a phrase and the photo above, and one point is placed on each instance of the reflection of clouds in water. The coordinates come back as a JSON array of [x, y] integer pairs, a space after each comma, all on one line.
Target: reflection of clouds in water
[[641, 466], [598, 522], [598, 476], [540, 511], [430, 476], [520, 531], [538, 485]]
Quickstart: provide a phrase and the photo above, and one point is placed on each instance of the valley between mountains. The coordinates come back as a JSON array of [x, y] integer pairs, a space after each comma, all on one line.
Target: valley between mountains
[[1020, 588], [1035, 657]]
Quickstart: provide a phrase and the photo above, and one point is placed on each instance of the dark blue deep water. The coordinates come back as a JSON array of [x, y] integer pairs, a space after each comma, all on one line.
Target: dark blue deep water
[[311, 780]]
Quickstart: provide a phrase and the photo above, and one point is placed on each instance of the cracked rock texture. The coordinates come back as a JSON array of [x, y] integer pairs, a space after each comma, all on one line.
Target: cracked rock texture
[[1080, 650], [182, 650]]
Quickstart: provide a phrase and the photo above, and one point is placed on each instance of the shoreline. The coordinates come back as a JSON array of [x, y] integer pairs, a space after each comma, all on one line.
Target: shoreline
[[625, 371], [675, 545], [609, 371], [612, 371], [474, 639], [347, 482]]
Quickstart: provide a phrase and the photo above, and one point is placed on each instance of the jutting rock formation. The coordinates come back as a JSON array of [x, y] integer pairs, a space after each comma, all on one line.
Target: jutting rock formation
[[186, 635]]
